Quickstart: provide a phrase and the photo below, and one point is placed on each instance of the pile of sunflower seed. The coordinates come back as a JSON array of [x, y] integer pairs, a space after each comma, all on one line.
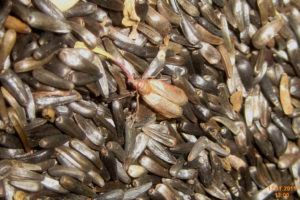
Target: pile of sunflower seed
[[73, 127]]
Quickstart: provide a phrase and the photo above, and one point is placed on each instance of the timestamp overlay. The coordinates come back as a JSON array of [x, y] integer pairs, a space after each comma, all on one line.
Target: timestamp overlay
[[282, 191]]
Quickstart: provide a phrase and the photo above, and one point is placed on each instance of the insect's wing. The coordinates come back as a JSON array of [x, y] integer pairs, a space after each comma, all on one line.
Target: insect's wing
[[163, 106], [168, 91]]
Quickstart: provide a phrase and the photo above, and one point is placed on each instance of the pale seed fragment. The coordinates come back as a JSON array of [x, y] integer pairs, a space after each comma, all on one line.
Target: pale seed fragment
[[285, 97], [236, 100], [225, 60], [64, 5]]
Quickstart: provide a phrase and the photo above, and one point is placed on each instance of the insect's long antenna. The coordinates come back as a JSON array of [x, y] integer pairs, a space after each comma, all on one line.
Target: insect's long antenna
[[129, 76], [101, 51]]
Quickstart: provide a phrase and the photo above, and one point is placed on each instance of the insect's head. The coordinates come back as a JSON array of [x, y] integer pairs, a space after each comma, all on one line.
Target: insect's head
[[141, 85]]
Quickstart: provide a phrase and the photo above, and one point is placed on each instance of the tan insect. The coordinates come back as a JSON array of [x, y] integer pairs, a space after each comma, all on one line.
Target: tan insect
[[164, 98]]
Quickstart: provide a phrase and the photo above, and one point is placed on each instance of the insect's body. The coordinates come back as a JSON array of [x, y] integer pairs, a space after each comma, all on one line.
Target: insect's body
[[162, 97]]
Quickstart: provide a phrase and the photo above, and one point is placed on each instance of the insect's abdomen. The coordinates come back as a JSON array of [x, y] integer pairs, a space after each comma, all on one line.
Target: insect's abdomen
[[162, 105], [168, 91]]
